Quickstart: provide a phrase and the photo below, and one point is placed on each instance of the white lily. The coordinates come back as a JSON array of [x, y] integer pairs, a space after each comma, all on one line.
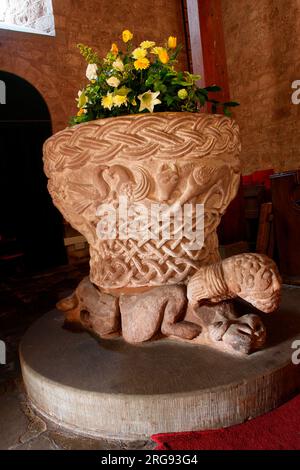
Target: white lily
[[91, 72], [149, 100], [118, 65], [113, 81]]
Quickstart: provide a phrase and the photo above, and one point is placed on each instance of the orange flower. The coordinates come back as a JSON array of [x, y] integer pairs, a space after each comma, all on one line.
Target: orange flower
[[163, 56], [81, 112], [114, 48]]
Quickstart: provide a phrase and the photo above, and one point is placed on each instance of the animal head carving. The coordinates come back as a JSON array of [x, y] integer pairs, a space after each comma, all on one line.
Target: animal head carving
[[251, 276], [167, 180], [254, 278]]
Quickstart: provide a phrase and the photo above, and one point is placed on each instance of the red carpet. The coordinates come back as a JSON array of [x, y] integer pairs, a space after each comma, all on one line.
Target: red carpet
[[277, 430]]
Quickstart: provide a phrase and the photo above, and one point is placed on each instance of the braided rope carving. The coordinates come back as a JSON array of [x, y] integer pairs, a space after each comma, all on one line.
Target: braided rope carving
[[164, 157], [139, 137]]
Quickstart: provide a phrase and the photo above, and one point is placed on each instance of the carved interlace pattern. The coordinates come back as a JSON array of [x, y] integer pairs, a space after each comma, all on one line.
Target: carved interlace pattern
[[167, 158]]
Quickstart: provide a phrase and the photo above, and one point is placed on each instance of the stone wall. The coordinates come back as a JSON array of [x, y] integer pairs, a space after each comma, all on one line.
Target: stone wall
[[53, 64], [262, 41]]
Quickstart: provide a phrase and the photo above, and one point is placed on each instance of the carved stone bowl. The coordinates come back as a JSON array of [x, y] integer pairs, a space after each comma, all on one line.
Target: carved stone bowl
[[172, 163]]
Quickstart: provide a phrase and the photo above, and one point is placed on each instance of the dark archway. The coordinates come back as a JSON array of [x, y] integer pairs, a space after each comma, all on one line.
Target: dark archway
[[29, 223]]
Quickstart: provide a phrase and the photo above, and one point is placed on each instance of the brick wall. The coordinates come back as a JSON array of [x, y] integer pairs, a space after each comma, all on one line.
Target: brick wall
[[262, 41], [53, 64]]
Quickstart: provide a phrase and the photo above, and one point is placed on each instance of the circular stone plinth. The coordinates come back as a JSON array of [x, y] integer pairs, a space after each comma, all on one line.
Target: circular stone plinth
[[108, 388]]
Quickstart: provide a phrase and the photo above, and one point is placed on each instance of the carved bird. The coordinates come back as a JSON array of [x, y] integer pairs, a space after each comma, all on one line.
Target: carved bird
[[99, 182]]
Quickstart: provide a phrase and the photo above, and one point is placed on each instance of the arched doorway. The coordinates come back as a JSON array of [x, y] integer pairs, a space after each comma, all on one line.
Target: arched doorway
[[30, 226]]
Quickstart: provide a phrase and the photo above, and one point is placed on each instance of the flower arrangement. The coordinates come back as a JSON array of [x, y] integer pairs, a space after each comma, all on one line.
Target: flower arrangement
[[141, 79]]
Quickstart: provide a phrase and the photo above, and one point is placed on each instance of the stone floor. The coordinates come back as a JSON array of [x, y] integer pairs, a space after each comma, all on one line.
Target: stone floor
[[23, 299], [22, 429]]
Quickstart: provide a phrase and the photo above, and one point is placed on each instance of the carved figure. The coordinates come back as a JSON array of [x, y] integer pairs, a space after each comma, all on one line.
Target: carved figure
[[251, 276]]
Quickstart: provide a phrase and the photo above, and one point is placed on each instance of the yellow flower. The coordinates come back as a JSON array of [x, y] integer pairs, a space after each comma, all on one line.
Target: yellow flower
[[81, 111], [148, 100], [156, 50], [139, 53], [172, 42], [107, 101], [141, 64], [133, 102], [118, 65], [113, 81], [182, 94], [147, 44], [163, 56], [118, 100], [114, 48], [127, 35]]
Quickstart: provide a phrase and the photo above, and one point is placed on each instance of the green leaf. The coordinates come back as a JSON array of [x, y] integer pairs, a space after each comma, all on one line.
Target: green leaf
[[226, 112], [202, 99], [176, 52], [201, 91], [149, 80], [89, 54], [123, 91], [179, 75], [181, 82], [192, 77], [159, 86], [231, 104], [169, 100], [213, 88]]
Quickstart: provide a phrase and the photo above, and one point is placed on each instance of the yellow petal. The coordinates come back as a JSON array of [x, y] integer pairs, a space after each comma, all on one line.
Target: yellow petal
[[139, 53], [163, 56], [141, 64], [118, 100], [107, 101], [127, 35], [147, 44], [172, 42]]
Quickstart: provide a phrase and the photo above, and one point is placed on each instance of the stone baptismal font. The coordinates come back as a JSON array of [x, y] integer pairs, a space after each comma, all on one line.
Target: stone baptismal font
[[145, 287], [154, 339], [163, 335]]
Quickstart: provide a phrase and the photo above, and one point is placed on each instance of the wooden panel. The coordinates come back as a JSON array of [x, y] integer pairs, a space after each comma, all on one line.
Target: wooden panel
[[232, 226], [264, 243], [209, 60], [213, 46], [74, 240], [286, 209]]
